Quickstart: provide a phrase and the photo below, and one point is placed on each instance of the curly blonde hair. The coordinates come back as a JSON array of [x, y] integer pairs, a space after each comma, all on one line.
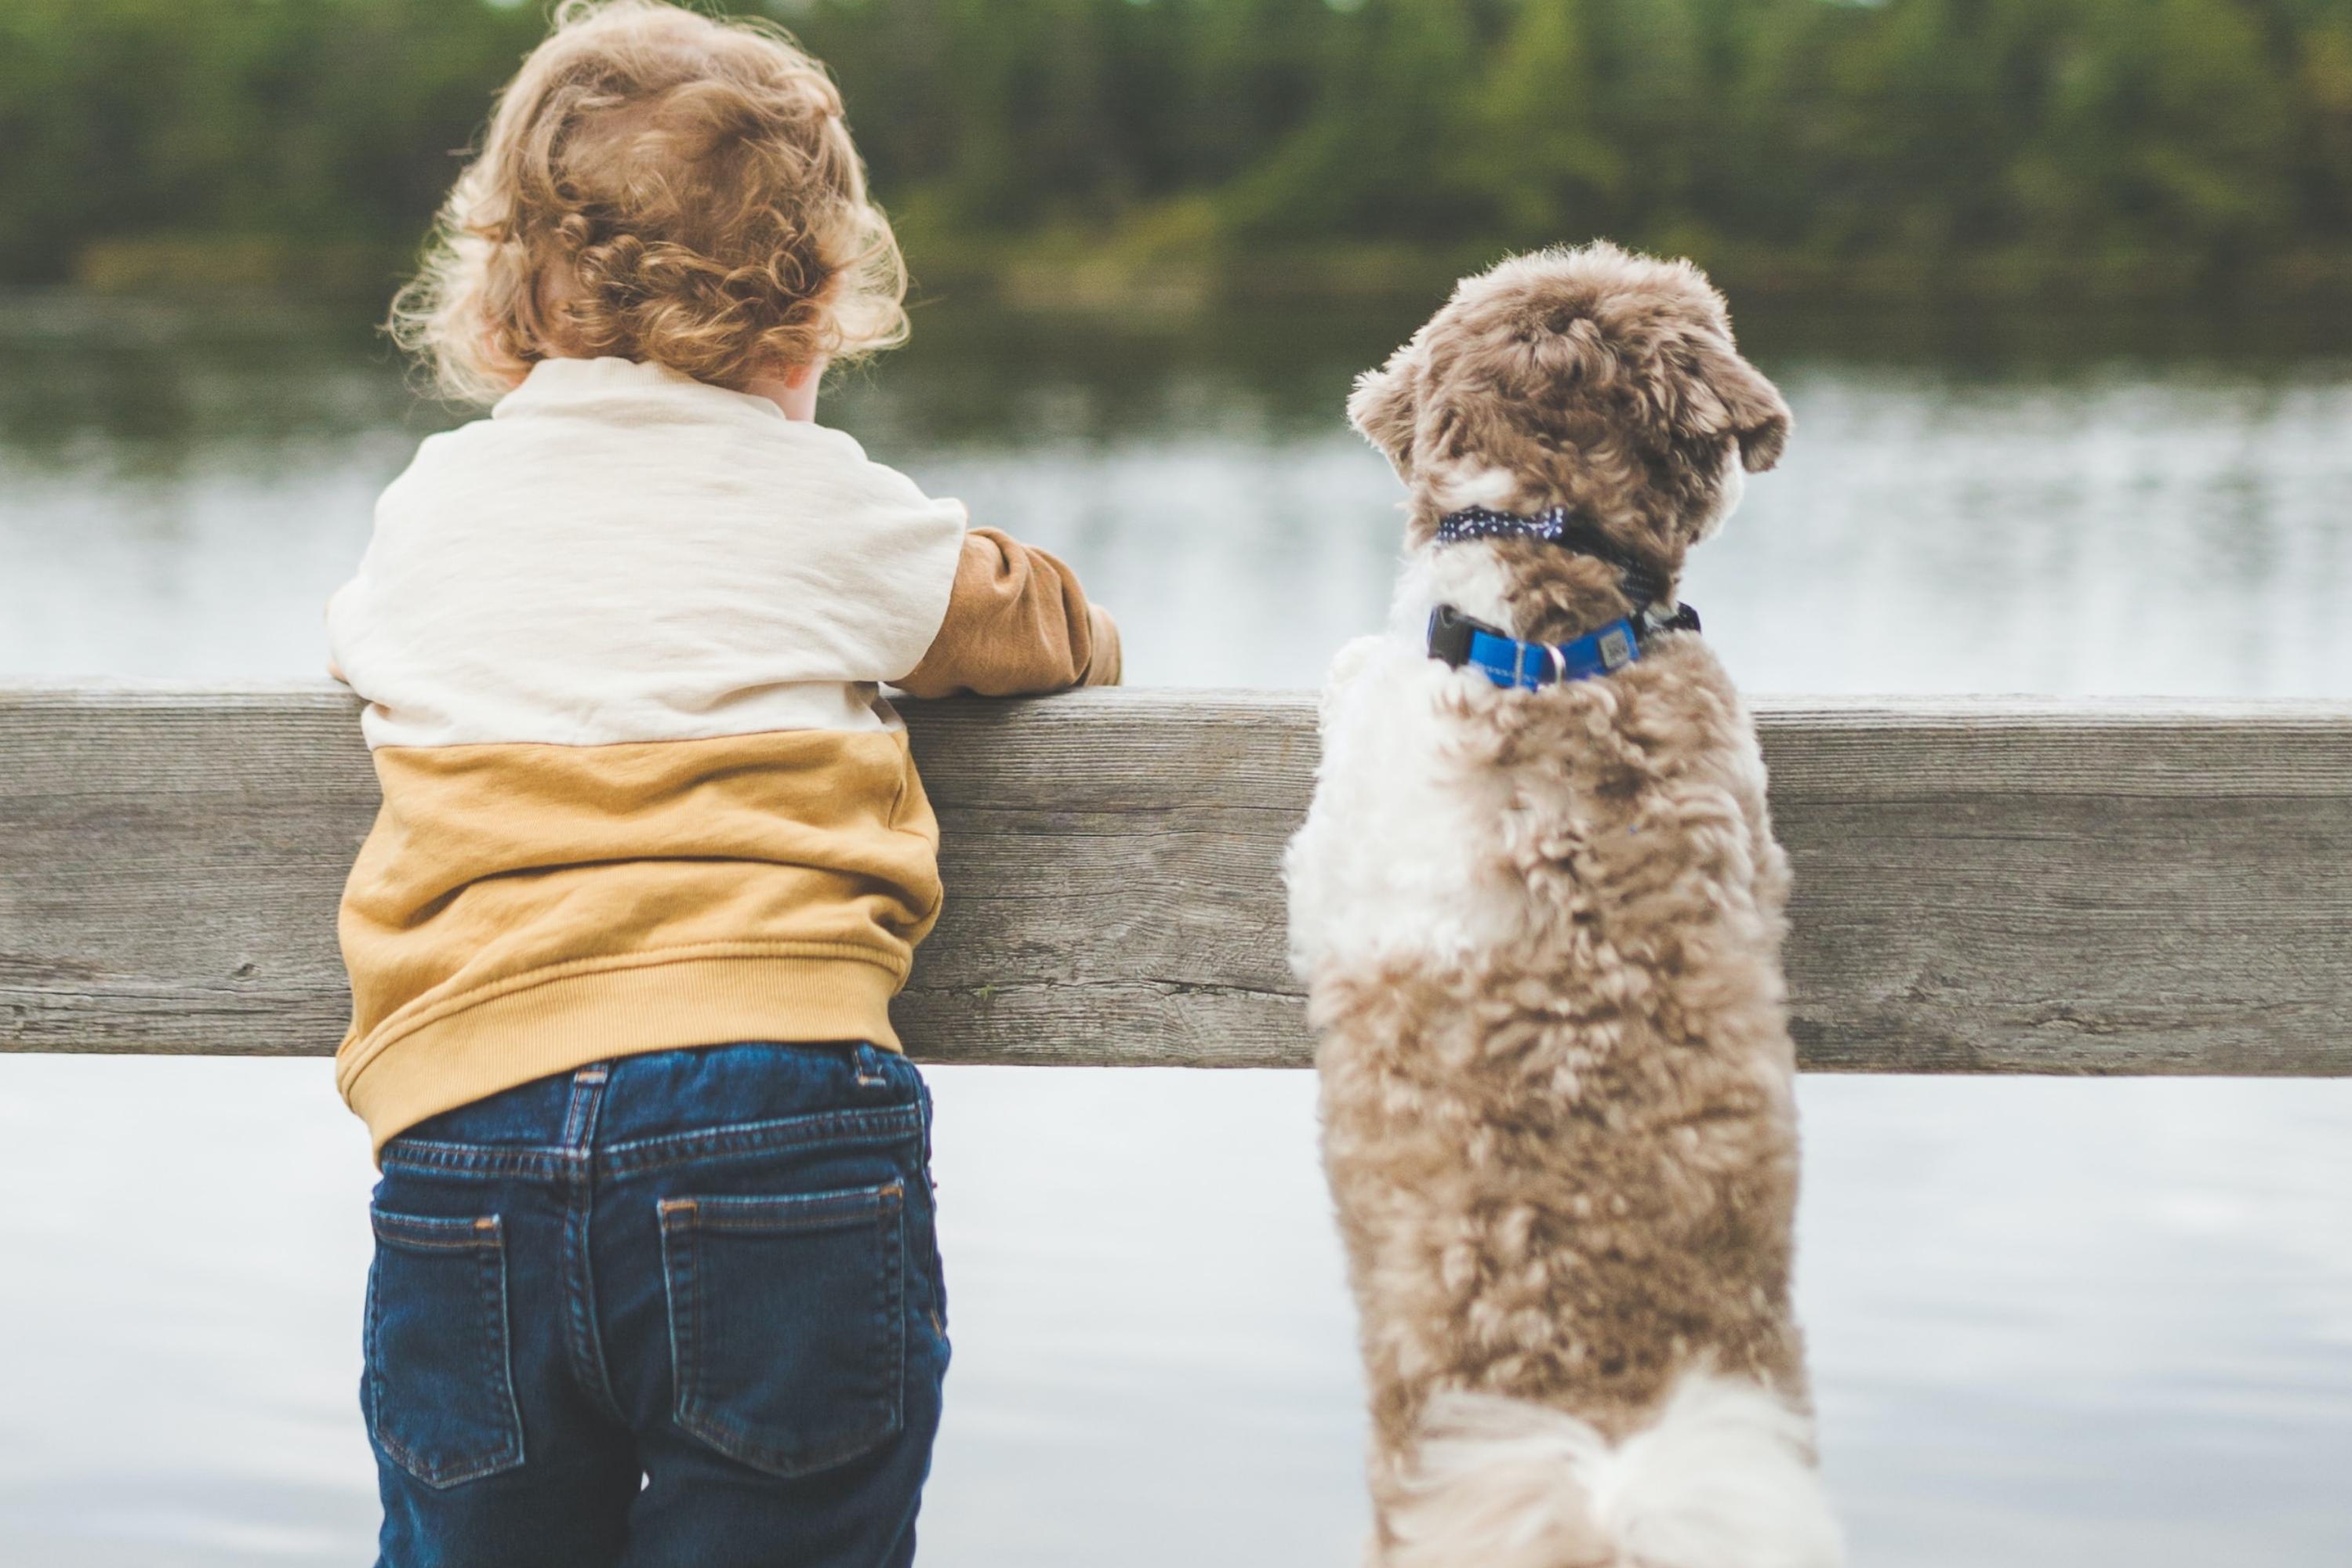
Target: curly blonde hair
[[660, 185]]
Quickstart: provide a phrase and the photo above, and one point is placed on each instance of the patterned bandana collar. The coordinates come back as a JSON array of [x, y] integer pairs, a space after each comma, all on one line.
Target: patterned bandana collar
[[1550, 525], [1561, 525]]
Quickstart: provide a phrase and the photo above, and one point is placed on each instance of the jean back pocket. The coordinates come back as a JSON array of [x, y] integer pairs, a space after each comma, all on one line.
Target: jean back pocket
[[440, 1386], [787, 1323]]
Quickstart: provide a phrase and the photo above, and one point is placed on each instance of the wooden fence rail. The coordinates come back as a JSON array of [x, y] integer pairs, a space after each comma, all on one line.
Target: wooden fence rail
[[1982, 886]]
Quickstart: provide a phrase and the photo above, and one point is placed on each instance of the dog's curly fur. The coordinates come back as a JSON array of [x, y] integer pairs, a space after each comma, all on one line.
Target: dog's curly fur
[[1540, 932]]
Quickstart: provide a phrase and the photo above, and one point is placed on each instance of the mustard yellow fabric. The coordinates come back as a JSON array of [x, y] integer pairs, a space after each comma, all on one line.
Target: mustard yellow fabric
[[525, 910]]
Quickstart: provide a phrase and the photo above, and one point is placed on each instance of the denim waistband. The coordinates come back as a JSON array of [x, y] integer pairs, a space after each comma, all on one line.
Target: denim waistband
[[578, 1137]]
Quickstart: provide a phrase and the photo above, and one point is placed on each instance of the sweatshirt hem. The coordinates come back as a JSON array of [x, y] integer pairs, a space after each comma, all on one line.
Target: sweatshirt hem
[[556, 1023]]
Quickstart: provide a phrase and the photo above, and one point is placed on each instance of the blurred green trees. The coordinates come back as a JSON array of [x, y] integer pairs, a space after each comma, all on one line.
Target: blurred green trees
[[2002, 145]]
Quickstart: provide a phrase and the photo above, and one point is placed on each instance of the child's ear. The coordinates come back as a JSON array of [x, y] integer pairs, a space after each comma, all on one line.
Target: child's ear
[[1385, 406]]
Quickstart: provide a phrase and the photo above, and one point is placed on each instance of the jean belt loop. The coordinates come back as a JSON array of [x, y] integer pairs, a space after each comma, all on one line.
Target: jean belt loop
[[587, 1096]]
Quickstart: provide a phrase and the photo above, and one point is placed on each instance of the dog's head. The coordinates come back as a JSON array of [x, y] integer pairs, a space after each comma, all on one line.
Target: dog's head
[[1592, 378]]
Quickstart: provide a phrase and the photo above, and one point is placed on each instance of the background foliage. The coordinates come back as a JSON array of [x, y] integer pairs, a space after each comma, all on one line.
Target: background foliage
[[2018, 146]]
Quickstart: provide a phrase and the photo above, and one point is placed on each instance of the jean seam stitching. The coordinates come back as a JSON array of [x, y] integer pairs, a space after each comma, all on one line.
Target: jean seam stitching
[[584, 1341], [816, 1130]]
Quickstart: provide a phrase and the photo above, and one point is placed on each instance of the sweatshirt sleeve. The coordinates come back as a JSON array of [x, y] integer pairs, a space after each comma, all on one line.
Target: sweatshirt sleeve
[[1017, 623]]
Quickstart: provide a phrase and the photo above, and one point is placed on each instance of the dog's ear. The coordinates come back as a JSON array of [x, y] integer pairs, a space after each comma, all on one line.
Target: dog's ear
[[1385, 406], [1716, 392]]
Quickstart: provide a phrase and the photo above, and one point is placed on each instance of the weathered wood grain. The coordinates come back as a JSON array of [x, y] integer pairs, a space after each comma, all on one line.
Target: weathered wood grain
[[1982, 886]]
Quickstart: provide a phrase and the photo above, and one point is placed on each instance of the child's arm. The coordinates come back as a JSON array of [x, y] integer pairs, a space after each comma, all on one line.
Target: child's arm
[[1017, 623]]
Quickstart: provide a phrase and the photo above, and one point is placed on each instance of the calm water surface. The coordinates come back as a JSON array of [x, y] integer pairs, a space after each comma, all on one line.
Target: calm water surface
[[2054, 1323]]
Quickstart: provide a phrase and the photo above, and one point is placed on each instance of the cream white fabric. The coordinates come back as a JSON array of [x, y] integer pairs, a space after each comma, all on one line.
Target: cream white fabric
[[621, 554]]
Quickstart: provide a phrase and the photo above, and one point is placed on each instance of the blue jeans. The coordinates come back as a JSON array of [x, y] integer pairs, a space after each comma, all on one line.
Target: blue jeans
[[677, 1308]]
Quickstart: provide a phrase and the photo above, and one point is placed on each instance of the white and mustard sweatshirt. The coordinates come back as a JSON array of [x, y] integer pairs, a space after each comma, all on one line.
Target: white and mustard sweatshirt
[[620, 645]]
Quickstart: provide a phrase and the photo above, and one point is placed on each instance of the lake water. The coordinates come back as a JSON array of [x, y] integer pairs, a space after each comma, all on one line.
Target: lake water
[[2055, 1323]]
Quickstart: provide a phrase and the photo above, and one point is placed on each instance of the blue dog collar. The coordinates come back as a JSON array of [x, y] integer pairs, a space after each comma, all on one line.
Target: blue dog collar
[[1523, 665], [1507, 662]]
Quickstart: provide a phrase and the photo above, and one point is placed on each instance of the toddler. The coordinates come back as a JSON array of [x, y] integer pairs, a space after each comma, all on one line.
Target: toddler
[[656, 1278]]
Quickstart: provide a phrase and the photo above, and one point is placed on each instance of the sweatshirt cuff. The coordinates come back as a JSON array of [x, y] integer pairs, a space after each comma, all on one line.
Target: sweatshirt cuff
[[1104, 660]]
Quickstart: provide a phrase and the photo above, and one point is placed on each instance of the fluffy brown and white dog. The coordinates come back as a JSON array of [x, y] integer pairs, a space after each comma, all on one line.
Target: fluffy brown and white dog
[[1541, 930]]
